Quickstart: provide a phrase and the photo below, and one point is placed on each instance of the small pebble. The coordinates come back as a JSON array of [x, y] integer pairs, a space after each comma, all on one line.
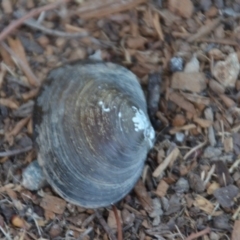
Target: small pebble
[[179, 137], [205, 4], [211, 152], [181, 185], [176, 64], [219, 4], [33, 177], [127, 217]]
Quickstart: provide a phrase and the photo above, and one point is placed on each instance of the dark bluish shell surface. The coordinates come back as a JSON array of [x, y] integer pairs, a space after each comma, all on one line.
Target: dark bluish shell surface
[[92, 132]]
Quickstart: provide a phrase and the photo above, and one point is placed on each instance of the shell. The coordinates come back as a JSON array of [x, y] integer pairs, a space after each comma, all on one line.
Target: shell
[[92, 132]]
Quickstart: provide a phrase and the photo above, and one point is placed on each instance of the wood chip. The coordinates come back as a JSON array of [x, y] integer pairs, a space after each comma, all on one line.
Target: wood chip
[[222, 174], [235, 232], [226, 72], [180, 101], [212, 187], [195, 98], [156, 23], [216, 87], [205, 205], [98, 9], [53, 204], [7, 6], [205, 30], [204, 123], [162, 188], [178, 120], [228, 144], [143, 196], [169, 159], [18, 49], [111, 220], [8, 103], [18, 127], [193, 82], [183, 128], [183, 8]]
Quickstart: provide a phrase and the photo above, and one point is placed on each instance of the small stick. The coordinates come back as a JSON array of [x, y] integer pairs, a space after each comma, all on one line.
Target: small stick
[[119, 226], [81, 237], [199, 234], [15, 152], [35, 25], [15, 24], [107, 229], [194, 149], [24, 67], [218, 41]]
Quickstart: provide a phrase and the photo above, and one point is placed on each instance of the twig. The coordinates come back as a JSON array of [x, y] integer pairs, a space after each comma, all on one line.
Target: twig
[[88, 220], [85, 233], [15, 24], [24, 67], [194, 149], [219, 41], [107, 229], [209, 175], [15, 152], [7, 235], [119, 226], [199, 234], [35, 25]]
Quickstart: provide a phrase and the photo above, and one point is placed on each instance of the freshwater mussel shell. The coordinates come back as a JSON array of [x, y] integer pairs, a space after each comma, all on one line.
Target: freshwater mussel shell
[[92, 132]]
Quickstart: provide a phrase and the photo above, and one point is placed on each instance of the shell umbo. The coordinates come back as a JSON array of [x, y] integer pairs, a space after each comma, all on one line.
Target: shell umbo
[[92, 132]]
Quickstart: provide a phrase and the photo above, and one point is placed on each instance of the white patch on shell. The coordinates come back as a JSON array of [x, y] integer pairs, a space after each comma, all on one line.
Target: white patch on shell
[[105, 109], [120, 116], [141, 123]]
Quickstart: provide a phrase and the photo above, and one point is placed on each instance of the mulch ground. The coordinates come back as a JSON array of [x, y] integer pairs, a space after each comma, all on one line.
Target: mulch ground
[[186, 56]]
